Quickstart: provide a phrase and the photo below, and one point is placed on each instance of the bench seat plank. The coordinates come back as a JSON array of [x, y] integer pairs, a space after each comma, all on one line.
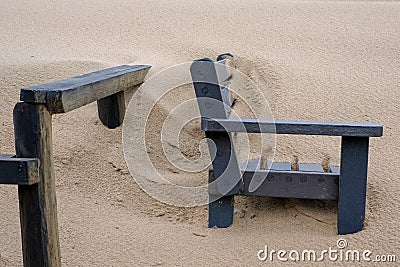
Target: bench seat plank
[[334, 169], [253, 164], [310, 167], [279, 166]]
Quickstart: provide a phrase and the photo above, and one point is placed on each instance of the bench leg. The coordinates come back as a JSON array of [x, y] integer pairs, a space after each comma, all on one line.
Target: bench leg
[[220, 212], [352, 184]]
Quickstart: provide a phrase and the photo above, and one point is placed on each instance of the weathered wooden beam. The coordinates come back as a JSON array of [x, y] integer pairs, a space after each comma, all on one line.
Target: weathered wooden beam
[[69, 94], [37, 202], [293, 184], [20, 171], [111, 110], [292, 127], [352, 184]]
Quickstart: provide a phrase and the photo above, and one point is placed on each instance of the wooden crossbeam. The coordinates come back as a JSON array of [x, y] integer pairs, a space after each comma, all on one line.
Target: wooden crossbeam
[[292, 127], [69, 94], [19, 171], [293, 184]]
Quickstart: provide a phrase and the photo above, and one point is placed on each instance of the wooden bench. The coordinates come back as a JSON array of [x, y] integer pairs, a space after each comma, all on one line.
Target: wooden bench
[[309, 181], [32, 168]]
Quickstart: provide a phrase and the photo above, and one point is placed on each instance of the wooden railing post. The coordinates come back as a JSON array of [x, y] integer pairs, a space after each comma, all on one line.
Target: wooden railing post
[[37, 202]]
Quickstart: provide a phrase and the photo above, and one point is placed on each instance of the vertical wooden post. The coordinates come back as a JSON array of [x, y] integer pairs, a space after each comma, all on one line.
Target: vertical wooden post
[[225, 164], [352, 184], [38, 207], [111, 110]]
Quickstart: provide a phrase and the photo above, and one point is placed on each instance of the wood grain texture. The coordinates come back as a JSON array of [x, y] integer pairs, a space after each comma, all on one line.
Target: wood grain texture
[[21, 171], [37, 202], [69, 94], [111, 110], [279, 166], [292, 127], [310, 167]]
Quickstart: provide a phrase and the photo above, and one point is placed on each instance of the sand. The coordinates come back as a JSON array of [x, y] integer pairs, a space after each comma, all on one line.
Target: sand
[[315, 60]]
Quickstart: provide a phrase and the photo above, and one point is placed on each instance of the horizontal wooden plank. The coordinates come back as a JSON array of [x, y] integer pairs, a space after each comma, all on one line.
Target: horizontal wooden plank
[[279, 166], [253, 164], [292, 127], [310, 167], [292, 184], [6, 156], [68, 94], [334, 169], [20, 171]]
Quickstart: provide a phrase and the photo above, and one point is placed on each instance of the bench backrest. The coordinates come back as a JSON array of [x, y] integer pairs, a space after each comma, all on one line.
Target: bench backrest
[[211, 81]]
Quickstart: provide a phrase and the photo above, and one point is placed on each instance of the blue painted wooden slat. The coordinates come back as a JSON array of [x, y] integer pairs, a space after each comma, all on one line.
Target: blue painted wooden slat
[[292, 127], [253, 164], [279, 166], [310, 167]]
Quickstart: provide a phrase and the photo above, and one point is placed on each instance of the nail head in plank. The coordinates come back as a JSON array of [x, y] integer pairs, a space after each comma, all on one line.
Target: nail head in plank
[[68, 94], [292, 127], [6, 156], [20, 171]]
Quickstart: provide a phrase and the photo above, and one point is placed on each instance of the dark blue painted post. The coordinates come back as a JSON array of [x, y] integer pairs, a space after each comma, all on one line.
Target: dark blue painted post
[[352, 184], [225, 164]]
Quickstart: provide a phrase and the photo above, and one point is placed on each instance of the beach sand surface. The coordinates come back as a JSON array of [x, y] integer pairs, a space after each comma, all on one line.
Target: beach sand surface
[[314, 60]]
